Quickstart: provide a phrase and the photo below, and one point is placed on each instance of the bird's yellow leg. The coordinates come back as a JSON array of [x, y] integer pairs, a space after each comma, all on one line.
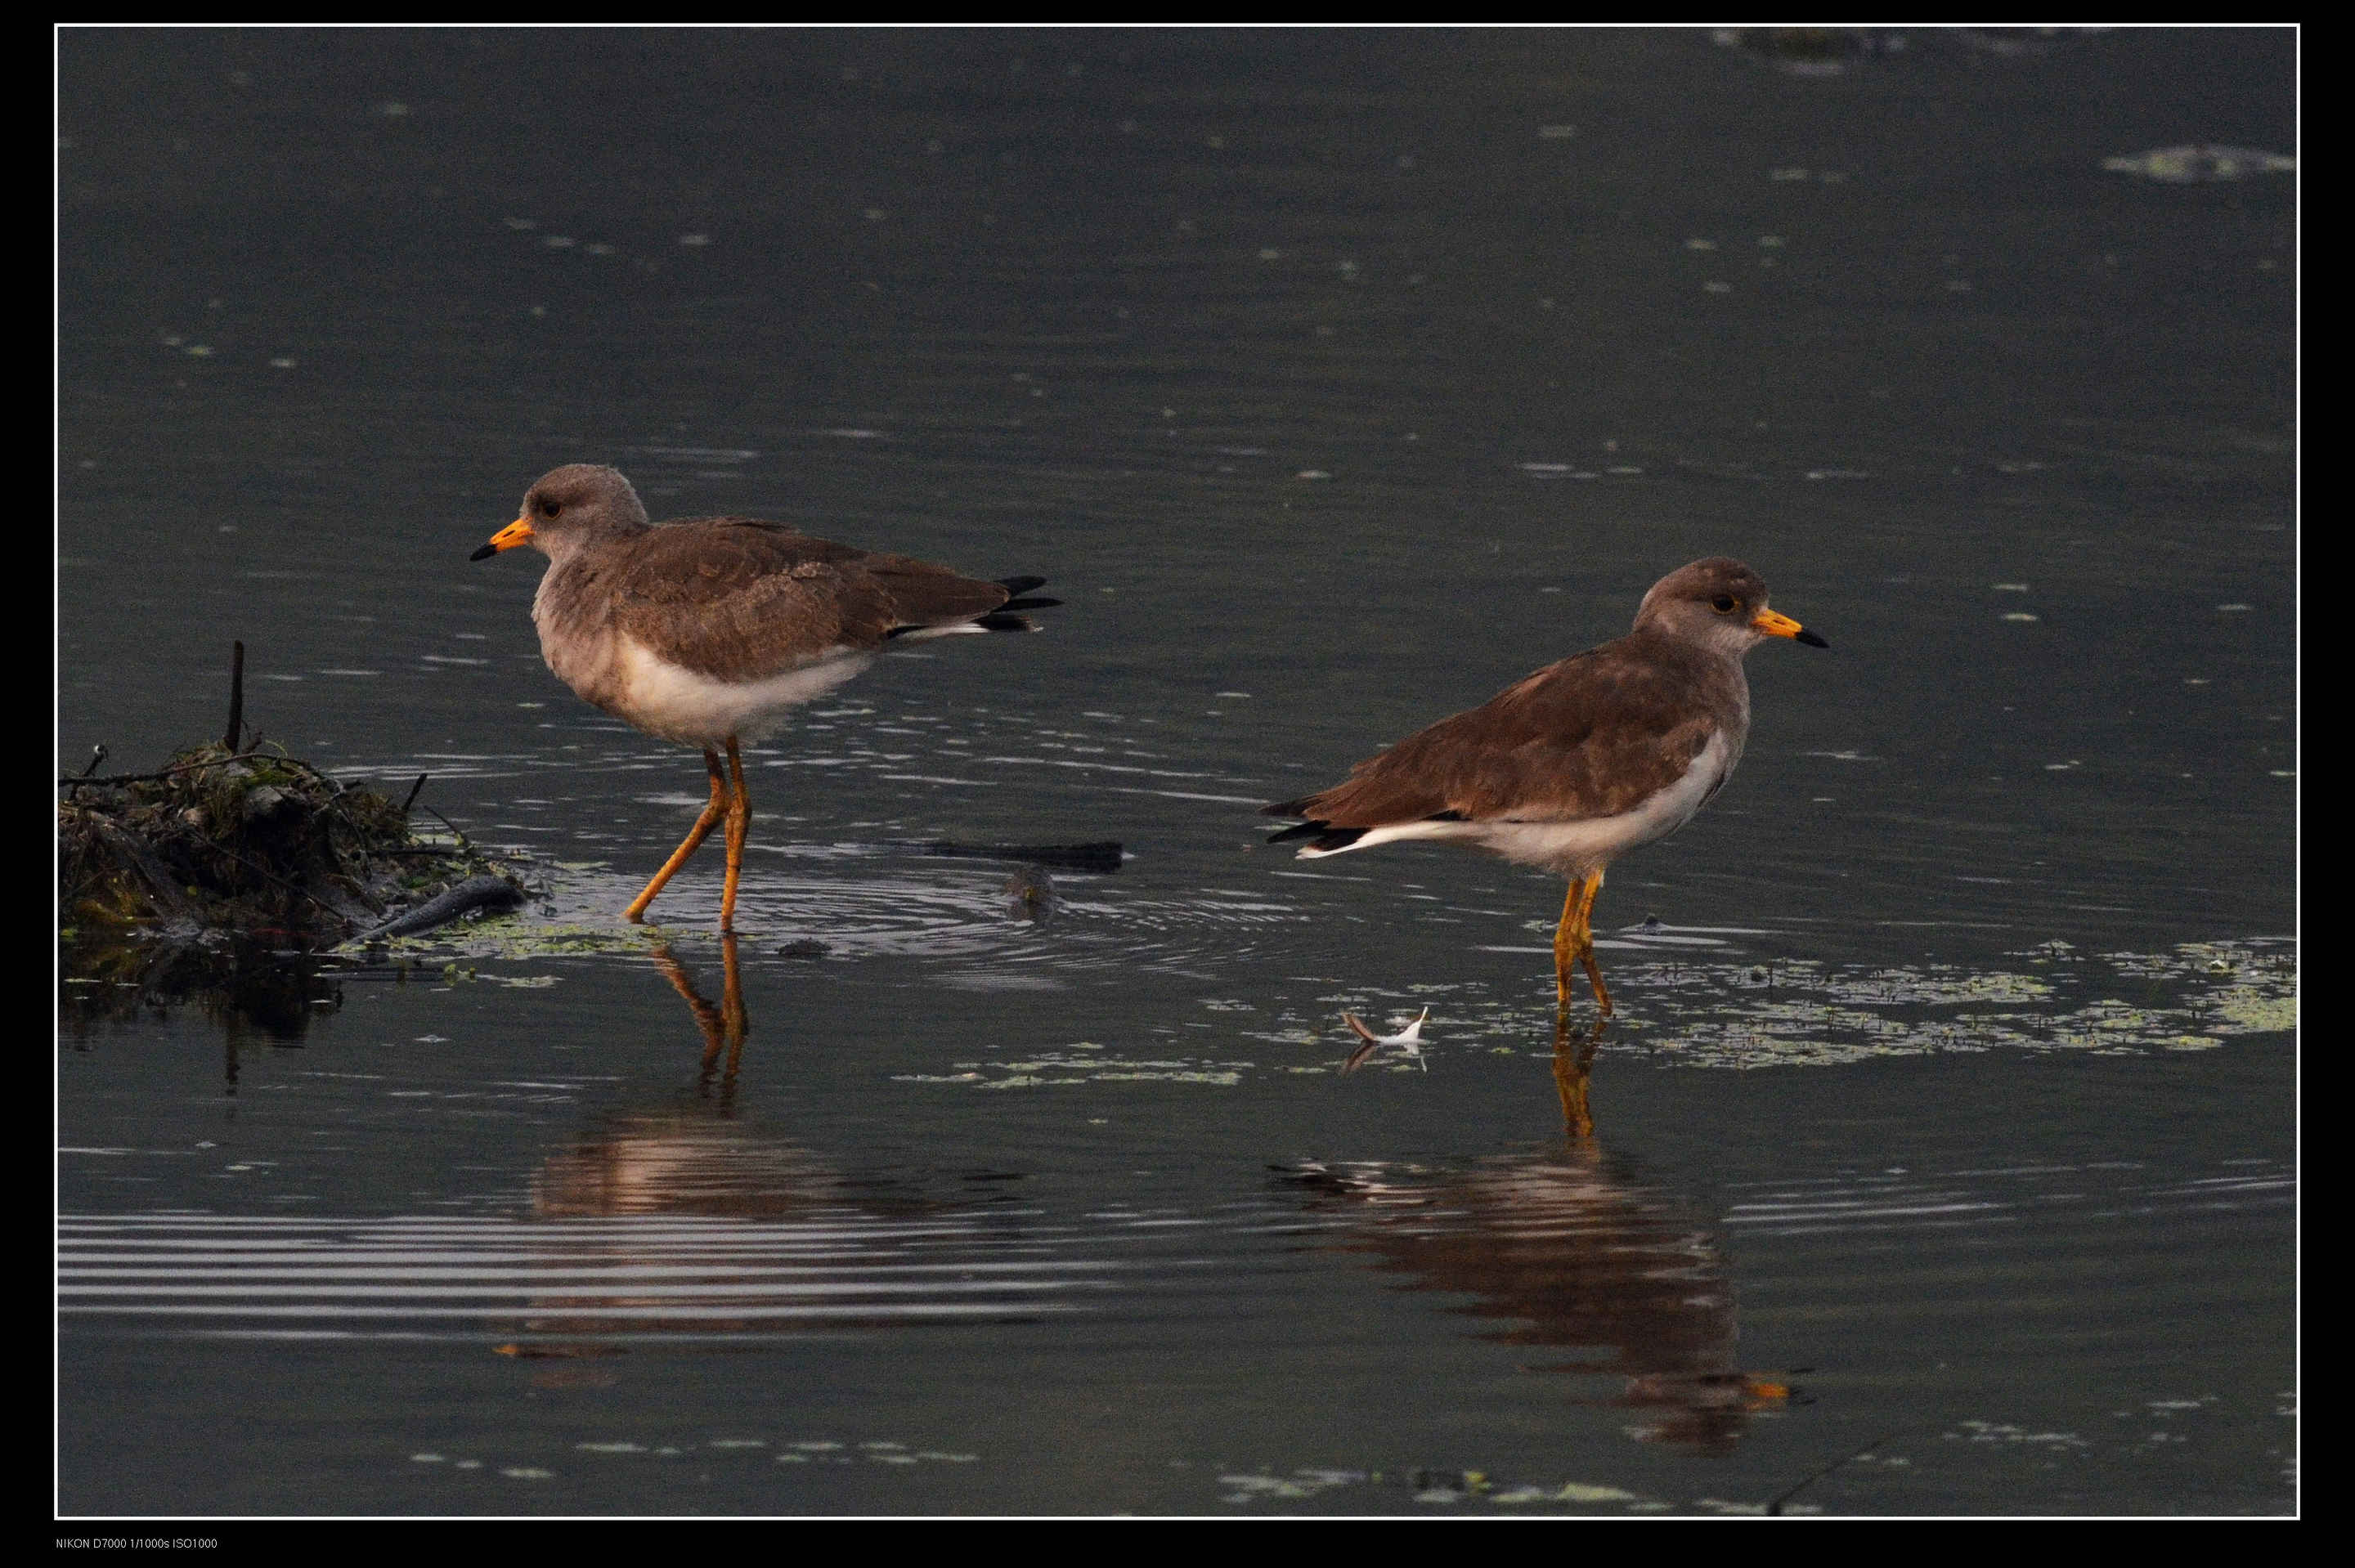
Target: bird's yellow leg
[[712, 812], [739, 822], [1565, 945], [1573, 941], [1586, 942]]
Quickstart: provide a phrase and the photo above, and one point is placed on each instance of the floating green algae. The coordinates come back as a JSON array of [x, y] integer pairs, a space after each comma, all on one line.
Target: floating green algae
[[1731, 1014], [1040, 1070], [1802, 1012], [522, 936], [2192, 998]]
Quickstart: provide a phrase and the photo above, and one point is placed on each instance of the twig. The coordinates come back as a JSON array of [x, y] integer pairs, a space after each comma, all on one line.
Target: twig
[[414, 790], [97, 755], [1774, 1504], [208, 762], [236, 696], [464, 843]]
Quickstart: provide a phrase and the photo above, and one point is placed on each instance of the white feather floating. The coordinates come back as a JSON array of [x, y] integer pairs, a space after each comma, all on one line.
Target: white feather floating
[[1408, 1040]]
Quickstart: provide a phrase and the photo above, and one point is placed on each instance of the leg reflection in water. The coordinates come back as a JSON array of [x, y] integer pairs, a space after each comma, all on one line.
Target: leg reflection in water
[[724, 1026], [1573, 1061]]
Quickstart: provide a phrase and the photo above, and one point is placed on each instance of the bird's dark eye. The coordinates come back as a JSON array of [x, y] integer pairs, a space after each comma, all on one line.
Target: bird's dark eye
[[551, 508], [1722, 604]]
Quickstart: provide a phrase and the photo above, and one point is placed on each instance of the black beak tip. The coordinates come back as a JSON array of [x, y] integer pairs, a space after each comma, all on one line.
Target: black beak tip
[[1811, 640], [484, 554]]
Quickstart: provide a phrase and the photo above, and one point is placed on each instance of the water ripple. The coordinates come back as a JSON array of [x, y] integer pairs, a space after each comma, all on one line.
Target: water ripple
[[652, 1273]]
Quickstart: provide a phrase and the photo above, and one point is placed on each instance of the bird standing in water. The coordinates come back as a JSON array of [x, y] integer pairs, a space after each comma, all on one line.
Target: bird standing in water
[[1572, 767], [709, 630]]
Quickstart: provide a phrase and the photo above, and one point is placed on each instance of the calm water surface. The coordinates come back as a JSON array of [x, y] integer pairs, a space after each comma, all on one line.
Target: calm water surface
[[1335, 380]]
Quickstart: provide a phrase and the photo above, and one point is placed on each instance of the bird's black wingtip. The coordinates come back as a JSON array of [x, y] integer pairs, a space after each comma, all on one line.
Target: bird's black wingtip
[[1322, 836]]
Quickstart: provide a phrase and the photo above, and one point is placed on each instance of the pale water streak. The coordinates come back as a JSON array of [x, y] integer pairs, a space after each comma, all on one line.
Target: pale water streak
[[659, 1274], [1897, 1204]]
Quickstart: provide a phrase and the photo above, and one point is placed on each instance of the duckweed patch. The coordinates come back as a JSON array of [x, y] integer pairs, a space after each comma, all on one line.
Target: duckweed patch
[[1067, 1066], [1392, 1490], [1798, 1012], [2194, 997], [1725, 1014]]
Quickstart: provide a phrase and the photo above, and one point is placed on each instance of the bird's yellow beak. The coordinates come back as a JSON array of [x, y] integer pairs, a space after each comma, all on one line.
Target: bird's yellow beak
[[516, 533], [1766, 621]]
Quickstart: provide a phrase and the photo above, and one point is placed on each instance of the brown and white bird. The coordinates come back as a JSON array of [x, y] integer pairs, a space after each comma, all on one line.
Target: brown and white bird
[[1574, 765], [709, 630]]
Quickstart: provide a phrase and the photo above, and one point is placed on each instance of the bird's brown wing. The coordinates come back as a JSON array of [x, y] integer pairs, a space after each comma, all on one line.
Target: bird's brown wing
[[1590, 736], [739, 599]]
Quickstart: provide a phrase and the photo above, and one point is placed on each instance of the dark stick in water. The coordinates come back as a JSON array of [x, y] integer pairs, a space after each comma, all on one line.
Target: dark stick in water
[[236, 696], [474, 892], [1102, 857]]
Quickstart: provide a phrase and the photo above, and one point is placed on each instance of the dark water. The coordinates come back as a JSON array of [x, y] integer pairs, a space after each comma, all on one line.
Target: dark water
[[1336, 380]]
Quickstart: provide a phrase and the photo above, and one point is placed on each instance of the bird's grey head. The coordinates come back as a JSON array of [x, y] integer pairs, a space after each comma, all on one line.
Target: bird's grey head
[[569, 506], [1719, 604]]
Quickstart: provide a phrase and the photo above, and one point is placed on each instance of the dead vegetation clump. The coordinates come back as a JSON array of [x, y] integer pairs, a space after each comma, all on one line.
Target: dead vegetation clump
[[226, 874], [253, 842]]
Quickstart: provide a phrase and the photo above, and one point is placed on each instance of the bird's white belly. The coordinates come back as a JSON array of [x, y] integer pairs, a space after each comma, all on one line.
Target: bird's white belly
[[1580, 847], [676, 704]]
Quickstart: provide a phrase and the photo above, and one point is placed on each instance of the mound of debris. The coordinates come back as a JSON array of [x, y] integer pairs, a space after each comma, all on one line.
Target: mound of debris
[[251, 841], [178, 880]]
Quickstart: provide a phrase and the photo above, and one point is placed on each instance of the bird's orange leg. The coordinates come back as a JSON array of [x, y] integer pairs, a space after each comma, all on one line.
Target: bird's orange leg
[[1586, 942], [1565, 943], [712, 812], [739, 822], [1573, 942]]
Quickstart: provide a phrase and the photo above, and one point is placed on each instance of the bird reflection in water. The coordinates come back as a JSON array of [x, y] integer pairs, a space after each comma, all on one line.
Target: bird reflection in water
[[689, 1219], [1570, 1251], [699, 1159]]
